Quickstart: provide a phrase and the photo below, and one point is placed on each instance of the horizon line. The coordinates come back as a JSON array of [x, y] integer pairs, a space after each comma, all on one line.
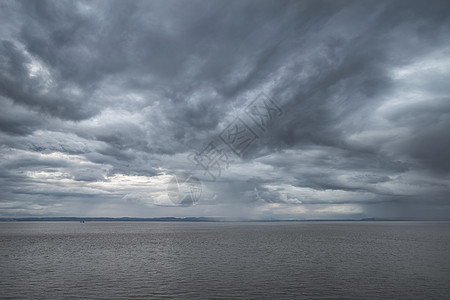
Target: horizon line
[[202, 219]]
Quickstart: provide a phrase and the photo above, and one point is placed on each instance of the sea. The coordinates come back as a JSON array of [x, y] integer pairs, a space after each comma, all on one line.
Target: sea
[[225, 260]]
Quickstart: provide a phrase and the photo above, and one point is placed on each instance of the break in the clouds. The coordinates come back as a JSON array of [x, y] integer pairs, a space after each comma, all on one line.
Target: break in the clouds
[[103, 102]]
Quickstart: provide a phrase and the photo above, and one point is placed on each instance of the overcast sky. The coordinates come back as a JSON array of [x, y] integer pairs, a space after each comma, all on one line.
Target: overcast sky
[[103, 102]]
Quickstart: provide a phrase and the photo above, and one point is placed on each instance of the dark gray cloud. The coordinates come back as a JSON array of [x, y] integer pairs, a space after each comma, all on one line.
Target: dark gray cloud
[[102, 102]]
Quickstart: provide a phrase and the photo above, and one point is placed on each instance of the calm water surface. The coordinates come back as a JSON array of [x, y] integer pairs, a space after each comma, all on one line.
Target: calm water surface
[[301, 260]]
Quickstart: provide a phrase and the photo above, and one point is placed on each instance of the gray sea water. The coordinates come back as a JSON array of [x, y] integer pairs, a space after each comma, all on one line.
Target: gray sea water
[[182, 260]]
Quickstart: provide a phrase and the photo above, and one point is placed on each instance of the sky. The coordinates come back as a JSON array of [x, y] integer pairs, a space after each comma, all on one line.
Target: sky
[[232, 109]]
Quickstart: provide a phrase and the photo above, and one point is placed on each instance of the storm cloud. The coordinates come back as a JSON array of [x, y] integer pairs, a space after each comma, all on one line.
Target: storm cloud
[[103, 102]]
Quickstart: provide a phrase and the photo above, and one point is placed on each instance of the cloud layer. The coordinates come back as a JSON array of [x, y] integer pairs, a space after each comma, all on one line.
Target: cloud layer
[[102, 103]]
